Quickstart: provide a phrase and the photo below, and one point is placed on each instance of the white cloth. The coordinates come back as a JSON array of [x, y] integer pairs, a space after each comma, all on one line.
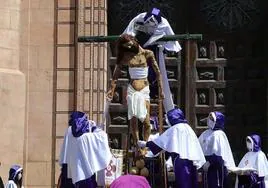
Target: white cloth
[[152, 137], [138, 72], [181, 139], [168, 100], [150, 154], [255, 160], [161, 30], [216, 142], [11, 184], [105, 115], [169, 164], [85, 155], [136, 102]]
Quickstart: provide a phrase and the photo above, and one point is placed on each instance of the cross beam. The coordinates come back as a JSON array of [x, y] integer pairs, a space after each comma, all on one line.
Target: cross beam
[[112, 38]]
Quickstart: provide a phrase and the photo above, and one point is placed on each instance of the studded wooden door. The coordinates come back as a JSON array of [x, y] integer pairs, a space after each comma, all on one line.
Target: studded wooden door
[[228, 69], [204, 87]]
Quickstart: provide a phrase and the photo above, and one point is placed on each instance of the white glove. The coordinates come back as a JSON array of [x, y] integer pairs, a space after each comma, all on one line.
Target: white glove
[[243, 171], [141, 143], [206, 166]]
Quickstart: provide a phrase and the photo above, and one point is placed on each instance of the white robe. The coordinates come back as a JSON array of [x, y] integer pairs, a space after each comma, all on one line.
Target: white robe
[[85, 155], [11, 184], [150, 154], [181, 139], [257, 161], [216, 142]]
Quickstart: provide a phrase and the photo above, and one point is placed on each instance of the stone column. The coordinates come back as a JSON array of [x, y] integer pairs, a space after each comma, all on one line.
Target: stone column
[[36, 61], [12, 88]]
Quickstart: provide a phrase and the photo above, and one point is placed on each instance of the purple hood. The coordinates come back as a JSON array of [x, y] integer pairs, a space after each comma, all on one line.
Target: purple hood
[[14, 171], [220, 119], [256, 139], [176, 116], [79, 122]]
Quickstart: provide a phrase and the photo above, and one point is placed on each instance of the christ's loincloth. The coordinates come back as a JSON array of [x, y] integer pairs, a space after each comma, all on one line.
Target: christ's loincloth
[[136, 101]]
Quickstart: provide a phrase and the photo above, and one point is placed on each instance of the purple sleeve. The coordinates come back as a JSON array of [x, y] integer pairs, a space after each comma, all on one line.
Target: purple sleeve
[[153, 147]]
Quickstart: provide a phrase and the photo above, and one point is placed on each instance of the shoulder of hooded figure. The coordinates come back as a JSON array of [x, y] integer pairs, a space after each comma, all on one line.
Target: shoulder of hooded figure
[[219, 133], [261, 155], [207, 133], [139, 17], [10, 184], [164, 23]]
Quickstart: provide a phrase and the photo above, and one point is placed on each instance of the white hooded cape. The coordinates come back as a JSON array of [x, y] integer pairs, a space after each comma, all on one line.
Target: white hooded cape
[[85, 155], [255, 160], [216, 142], [181, 139]]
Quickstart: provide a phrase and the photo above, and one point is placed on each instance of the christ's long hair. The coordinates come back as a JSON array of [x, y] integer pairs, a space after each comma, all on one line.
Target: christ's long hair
[[122, 43]]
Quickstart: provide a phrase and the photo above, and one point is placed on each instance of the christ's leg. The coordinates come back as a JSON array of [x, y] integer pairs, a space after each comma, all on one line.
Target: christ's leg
[[146, 123], [134, 130]]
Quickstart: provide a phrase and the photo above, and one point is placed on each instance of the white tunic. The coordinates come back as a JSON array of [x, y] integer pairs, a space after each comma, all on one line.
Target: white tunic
[[216, 142], [181, 139], [85, 155], [11, 184], [255, 160]]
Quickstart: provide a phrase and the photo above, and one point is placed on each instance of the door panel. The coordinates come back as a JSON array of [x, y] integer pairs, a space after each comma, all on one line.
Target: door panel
[[230, 66]]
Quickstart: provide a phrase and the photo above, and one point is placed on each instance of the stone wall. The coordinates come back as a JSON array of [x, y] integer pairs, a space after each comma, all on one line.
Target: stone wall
[[36, 57], [12, 88]]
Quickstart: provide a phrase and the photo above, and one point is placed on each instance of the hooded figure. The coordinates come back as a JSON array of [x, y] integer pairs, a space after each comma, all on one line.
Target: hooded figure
[[148, 27], [130, 181], [217, 151], [253, 159], [84, 152], [182, 145], [15, 177]]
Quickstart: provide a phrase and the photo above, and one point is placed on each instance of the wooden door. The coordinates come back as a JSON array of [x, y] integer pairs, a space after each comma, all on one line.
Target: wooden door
[[228, 69]]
